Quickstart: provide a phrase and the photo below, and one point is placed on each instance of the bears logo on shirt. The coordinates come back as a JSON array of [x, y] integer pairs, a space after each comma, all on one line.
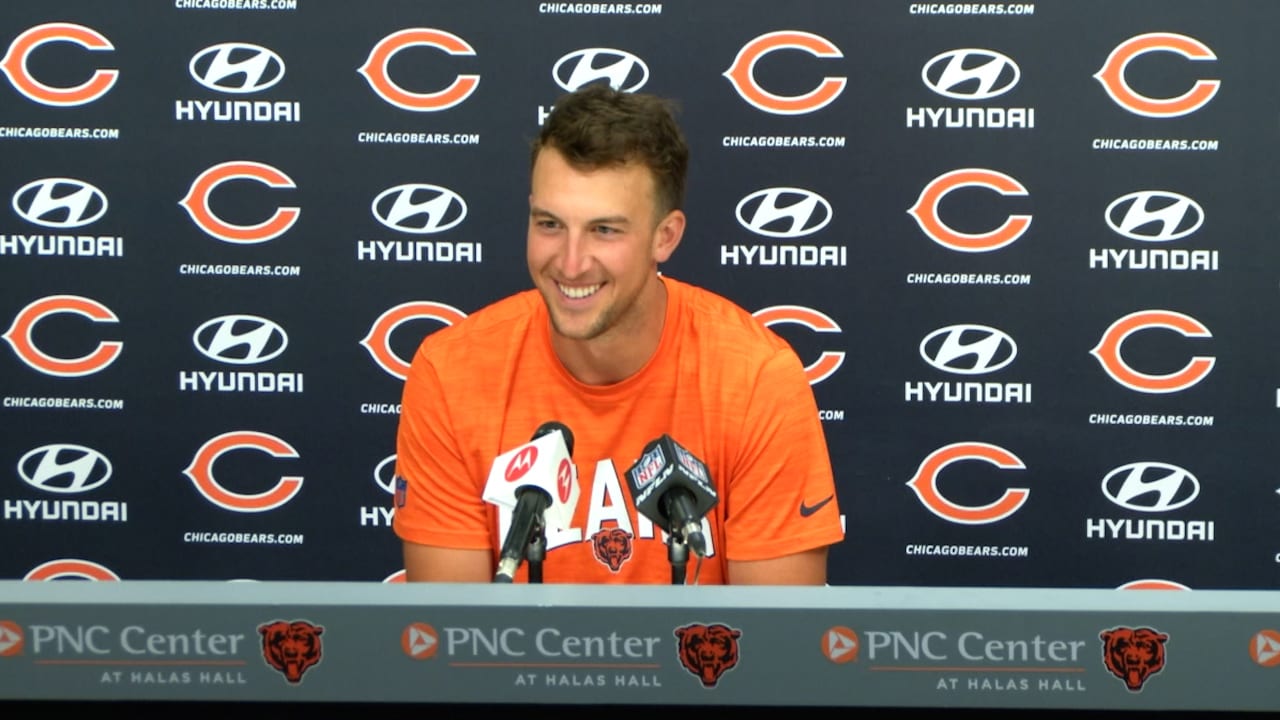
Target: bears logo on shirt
[[612, 547]]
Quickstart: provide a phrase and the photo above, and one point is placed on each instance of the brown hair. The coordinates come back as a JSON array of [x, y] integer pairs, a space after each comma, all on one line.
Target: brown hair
[[597, 126]]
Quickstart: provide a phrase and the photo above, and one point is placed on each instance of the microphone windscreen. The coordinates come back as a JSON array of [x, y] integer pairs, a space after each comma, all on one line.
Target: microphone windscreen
[[551, 426]]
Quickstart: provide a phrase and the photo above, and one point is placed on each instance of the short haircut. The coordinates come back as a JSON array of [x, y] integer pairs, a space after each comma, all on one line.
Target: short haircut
[[598, 126]]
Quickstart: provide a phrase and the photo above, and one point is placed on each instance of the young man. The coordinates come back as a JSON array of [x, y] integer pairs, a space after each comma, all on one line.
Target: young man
[[621, 355]]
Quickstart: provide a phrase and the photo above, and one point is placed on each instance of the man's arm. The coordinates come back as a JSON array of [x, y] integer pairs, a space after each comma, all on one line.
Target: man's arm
[[428, 563], [803, 568], [782, 488]]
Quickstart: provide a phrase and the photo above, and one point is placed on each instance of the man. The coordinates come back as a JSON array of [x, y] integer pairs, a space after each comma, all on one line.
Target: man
[[621, 355]]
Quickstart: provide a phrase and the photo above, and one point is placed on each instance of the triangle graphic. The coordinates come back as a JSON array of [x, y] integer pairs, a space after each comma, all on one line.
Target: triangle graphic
[[1267, 648], [838, 645], [8, 638], [420, 642]]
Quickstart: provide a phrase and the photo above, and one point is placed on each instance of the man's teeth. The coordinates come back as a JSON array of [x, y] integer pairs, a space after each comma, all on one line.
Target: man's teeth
[[577, 293]]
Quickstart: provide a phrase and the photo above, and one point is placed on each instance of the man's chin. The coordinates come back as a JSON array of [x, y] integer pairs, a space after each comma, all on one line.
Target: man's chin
[[580, 329], [574, 332]]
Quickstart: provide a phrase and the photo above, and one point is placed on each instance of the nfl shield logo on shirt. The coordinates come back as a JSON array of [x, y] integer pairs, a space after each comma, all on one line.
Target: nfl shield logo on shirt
[[402, 490]]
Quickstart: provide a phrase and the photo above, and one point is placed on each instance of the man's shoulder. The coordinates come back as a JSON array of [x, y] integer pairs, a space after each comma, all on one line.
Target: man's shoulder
[[492, 326], [715, 316]]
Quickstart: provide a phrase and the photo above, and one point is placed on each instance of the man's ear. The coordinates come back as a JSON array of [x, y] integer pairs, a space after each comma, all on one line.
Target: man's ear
[[666, 237]]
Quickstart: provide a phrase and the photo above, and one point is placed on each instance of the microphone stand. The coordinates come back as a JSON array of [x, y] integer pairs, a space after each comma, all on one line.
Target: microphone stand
[[678, 554], [536, 552]]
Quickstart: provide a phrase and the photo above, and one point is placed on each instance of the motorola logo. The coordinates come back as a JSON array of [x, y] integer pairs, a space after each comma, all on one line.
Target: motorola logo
[[968, 349], [621, 69], [970, 74], [419, 208], [784, 212], [1154, 216], [240, 339], [64, 468], [59, 202], [238, 68], [1150, 487]]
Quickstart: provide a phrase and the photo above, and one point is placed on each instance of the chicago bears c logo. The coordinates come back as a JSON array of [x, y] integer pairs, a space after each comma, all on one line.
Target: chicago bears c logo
[[1112, 75], [291, 647], [378, 339], [742, 73], [829, 361], [1133, 655], [14, 65], [708, 651], [376, 70], [612, 546]]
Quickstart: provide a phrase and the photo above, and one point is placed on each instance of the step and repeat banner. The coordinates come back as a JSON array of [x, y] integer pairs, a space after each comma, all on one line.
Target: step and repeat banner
[[1025, 250]]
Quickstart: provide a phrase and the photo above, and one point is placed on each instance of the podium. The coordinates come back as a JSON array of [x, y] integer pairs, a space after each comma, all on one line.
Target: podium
[[654, 645]]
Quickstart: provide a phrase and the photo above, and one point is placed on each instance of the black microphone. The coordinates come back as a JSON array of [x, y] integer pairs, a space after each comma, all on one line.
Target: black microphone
[[538, 480], [673, 488]]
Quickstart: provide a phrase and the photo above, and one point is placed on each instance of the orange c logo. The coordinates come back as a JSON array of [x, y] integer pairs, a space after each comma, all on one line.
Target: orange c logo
[[374, 70], [77, 569], [200, 471], [1152, 584], [1107, 352], [827, 363], [19, 336], [741, 73], [14, 65], [925, 211], [196, 202], [1113, 81], [925, 484], [378, 341]]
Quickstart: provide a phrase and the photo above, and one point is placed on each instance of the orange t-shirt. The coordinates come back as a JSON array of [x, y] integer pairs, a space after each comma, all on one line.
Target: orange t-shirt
[[722, 385]]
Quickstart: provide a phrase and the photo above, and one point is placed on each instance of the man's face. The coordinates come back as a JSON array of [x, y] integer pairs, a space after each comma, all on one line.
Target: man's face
[[594, 245]]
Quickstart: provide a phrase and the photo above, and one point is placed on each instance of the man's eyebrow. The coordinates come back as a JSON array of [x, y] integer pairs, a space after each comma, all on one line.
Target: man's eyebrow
[[608, 220], [612, 220]]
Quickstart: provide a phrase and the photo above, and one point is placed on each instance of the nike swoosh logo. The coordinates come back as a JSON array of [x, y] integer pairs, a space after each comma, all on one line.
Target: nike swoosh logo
[[807, 510]]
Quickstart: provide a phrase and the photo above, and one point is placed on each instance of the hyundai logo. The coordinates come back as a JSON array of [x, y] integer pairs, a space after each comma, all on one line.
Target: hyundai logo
[[968, 349], [1150, 487], [784, 212], [240, 339], [1154, 216], [970, 74], [64, 468], [624, 71], [385, 474], [419, 208], [59, 202], [238, 68]]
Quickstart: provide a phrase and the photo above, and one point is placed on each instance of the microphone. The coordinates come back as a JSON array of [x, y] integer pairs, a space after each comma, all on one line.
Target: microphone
[[538, 482], [673, 488]]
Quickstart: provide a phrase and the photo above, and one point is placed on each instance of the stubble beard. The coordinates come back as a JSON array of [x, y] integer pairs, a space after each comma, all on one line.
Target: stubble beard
[[598, 326]]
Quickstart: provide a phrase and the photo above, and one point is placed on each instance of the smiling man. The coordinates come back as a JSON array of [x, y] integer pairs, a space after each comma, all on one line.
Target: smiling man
[[621, 355]]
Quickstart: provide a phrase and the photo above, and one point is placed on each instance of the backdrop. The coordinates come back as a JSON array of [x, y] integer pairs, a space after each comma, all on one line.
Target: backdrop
[[1026, 251]]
